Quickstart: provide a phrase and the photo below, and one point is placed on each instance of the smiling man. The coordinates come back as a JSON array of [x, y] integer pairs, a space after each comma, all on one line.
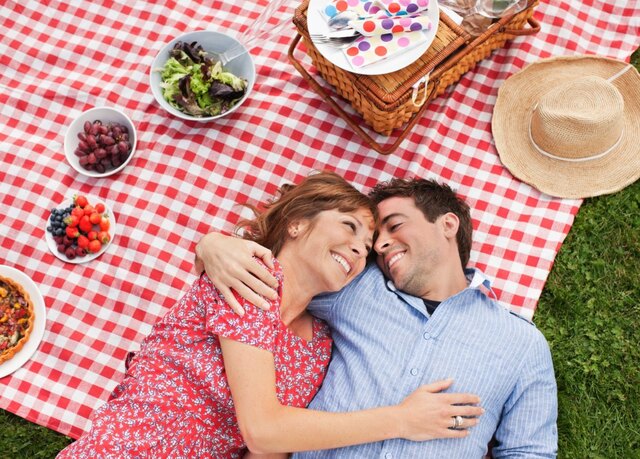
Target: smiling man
[[419, 316]]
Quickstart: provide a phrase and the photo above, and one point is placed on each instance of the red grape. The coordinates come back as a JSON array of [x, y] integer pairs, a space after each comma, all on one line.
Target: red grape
[[102, 147]]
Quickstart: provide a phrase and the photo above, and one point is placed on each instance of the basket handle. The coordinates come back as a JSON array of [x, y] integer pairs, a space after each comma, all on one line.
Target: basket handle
[[383, 149], [534, 28]]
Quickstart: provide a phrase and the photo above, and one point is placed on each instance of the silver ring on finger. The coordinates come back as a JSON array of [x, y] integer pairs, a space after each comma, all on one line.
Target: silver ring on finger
[[457, 422]]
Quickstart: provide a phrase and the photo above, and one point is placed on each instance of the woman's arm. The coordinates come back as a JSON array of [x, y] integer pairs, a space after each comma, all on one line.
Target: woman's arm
[[268, 427], [250, 455], [230, 264]]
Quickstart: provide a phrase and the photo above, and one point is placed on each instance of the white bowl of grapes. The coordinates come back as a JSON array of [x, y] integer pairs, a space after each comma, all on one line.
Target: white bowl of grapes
[[100, 142]]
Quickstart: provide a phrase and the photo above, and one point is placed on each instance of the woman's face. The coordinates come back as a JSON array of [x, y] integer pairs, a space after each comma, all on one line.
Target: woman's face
[[334, 246]]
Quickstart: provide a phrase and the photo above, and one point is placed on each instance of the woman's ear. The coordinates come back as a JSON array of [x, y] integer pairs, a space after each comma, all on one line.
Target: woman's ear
[[294, 229], [297, 228]]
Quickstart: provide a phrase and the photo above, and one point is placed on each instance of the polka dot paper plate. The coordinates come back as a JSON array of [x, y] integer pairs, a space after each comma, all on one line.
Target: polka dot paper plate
[[379, 54]]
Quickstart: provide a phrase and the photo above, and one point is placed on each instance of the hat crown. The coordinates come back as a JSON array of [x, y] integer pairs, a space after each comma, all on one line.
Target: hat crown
[[579, 119]]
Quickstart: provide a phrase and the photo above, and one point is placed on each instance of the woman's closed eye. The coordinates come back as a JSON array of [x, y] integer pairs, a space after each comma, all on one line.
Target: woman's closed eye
[[351, 225]]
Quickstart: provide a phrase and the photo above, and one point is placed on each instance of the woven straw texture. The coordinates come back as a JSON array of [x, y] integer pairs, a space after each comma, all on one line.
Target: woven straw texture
[[596, 133], [384, 101]]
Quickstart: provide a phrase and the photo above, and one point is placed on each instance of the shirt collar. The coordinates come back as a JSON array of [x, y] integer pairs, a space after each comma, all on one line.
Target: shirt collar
[[475, 279]]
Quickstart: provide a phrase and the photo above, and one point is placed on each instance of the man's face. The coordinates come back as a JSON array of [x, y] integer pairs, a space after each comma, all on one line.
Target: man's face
[[409, 247]]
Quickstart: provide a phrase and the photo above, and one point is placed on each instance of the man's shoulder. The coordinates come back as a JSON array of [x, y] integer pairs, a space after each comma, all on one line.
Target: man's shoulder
[[525, 328], [370, 275], [507, 322]]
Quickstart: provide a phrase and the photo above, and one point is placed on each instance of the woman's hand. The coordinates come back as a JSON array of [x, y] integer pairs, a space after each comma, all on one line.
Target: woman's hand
[[427, 414], [229, 263]]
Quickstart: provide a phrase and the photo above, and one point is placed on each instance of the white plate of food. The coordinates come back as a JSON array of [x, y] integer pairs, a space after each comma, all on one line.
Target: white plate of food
[[60, 246], [34, 338], [317, 24]]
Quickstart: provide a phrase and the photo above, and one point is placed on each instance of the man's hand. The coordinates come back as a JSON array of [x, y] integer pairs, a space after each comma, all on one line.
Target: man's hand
[[428, 414], [229, 263]]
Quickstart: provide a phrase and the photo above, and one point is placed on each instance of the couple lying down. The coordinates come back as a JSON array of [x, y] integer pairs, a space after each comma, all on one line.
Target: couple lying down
[[403, 357]]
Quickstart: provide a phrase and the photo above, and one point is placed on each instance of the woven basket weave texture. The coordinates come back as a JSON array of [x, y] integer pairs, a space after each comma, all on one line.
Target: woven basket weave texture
[[385, 101]]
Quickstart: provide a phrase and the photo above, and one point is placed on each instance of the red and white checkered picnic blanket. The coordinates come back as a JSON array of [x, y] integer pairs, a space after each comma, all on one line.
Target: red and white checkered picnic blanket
[[60, 58]]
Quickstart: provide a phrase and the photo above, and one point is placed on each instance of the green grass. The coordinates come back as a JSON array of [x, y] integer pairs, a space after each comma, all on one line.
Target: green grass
[[590, 313], [22, 439]]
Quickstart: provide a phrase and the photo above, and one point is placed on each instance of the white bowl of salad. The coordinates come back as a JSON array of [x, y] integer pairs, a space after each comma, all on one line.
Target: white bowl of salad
[[189, 82]]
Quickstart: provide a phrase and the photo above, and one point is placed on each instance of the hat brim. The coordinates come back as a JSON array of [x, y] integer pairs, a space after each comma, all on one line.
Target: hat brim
[[510, 125]]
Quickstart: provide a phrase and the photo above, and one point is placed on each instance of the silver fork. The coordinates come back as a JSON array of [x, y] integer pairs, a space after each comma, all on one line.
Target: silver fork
[[334, 41]]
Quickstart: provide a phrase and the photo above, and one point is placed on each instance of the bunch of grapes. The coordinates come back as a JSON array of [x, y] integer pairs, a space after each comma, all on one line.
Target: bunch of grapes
[[80, 228], [102, 147]]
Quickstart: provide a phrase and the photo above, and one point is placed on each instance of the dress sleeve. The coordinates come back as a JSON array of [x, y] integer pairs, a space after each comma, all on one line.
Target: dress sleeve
[[257, 327]]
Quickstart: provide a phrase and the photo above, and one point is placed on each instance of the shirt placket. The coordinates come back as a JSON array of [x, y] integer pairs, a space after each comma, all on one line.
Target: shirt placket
[[413, 373]]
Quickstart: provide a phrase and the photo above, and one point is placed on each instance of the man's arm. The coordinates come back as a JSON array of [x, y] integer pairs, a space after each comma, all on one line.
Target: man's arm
[[230, 264], [528, 427]]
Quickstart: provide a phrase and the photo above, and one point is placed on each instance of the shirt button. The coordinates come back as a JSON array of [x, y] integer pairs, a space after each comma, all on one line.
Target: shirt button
[[414, 371], [388, 456], [426, 336]]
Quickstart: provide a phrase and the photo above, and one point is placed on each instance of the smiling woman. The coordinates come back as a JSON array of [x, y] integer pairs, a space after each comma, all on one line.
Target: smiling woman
[[207, 383]]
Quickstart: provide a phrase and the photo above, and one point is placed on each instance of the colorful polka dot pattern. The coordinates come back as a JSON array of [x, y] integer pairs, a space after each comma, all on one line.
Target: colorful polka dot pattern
[[376, 8], [364, 8], [367, 50], [403, 7], [377, 26]]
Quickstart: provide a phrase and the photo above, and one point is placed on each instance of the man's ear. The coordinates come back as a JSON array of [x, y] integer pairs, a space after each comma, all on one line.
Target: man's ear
[[450, 224]]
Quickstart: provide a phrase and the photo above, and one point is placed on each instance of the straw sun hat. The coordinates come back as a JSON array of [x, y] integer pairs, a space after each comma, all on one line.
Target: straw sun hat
[[570, 126]]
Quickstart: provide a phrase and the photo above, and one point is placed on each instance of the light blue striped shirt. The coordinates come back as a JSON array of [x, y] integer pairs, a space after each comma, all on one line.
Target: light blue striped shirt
[[386, 345]]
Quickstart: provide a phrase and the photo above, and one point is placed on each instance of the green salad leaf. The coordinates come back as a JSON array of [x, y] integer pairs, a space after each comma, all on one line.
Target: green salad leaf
[[195, 84]]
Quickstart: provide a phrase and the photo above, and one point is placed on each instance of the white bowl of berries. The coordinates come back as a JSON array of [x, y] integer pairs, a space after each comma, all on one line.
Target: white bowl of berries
[[100, 142], [80, 229]]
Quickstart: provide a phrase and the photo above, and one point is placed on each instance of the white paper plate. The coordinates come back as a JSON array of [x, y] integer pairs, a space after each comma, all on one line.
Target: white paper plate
[[30, 347], [318, 25], [51, 243]]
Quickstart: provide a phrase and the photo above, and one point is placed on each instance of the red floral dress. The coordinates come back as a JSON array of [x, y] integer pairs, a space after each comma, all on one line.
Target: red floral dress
[[175, 400]]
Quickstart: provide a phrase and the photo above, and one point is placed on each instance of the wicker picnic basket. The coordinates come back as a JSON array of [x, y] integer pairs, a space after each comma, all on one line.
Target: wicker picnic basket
[[388, 102]]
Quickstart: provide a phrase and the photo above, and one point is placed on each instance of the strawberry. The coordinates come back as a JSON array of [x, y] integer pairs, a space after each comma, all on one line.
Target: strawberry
[[78, 212], [72, 220], [80, 200], [104, 224], [95, 218], [95, 246], [83, 241], [104, 237], [100, 208], [88, 209], [92, 235], [72, 232], [85, 224]]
